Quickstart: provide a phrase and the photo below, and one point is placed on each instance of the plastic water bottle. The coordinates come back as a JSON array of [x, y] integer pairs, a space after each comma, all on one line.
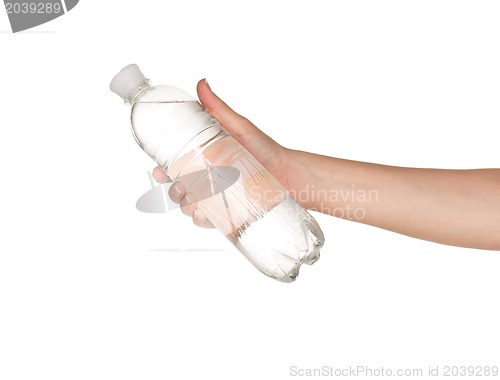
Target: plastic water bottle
[[236, 193]]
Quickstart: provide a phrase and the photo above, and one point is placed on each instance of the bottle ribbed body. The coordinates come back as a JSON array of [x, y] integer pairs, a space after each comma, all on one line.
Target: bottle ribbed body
[[235, 192]]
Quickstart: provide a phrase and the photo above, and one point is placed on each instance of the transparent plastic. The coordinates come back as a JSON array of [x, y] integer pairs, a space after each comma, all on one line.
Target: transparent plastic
[[245, 203]]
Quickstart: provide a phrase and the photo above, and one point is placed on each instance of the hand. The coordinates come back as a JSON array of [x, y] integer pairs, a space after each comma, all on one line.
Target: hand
[[455, 207], [269, 153]]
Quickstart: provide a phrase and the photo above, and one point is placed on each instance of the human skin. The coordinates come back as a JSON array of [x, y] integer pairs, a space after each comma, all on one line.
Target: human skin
[[453, 207]]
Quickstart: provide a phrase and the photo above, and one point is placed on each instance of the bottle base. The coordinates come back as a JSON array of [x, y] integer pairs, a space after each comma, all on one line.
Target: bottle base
[[281, 241], [291, 276]]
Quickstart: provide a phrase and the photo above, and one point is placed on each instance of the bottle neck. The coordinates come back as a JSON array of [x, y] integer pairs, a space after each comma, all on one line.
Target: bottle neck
[[137, 91]]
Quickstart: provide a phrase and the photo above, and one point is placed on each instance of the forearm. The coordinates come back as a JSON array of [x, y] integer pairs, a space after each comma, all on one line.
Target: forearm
[[455, 207]]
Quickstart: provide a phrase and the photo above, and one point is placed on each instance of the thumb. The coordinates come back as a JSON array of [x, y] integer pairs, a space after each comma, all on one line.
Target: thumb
[[238, 126], [262, 147]]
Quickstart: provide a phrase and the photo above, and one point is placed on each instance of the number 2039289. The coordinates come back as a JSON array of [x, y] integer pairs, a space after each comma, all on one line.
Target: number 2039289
[[33, 8]]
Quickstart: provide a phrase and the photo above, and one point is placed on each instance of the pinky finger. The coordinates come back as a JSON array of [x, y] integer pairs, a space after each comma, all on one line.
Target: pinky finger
[[201, 220]]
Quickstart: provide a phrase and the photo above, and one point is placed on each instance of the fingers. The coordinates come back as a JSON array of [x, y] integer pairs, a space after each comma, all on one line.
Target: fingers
[[189, 207], [177, 192], [200, 219], [160, 176], [188, 204]]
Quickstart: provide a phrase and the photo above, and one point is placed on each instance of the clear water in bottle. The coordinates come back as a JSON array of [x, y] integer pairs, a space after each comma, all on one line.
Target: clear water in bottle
[[264, 222], [291, 238], [251, 208]]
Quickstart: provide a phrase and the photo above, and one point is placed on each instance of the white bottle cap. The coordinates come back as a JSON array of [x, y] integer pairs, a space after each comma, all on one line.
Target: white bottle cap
[[128, 79]]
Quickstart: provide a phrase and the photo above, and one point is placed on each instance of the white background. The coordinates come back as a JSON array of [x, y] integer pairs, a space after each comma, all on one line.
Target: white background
[[90, 288]]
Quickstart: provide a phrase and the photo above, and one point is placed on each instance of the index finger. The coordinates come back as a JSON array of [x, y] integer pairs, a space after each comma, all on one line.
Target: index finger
[[160, 176]]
